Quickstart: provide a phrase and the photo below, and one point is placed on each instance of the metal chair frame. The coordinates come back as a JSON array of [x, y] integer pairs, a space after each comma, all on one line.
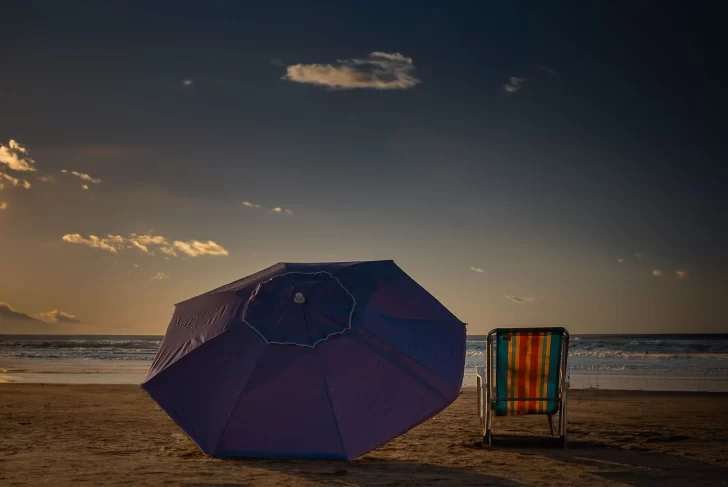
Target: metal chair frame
[[487, 397]]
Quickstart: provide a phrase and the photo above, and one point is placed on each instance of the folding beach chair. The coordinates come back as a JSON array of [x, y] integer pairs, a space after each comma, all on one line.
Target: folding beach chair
[[525, 373]]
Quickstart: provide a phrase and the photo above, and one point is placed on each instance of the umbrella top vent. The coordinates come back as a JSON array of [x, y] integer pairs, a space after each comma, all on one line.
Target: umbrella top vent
[[299, 308]]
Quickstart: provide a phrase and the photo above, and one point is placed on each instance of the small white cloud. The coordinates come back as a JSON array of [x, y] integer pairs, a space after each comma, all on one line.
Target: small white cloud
[[50, 178], [682, 274], [86, 177], [379, 71], [84, 186], [520, 299], [657, 272], [3, 206], [620, 260], [514, 85], [639, 254], [92, 241], [57, 316], [276, 209], [136, 265], [195, 248], [64, 171], [476, 269], [15, 157], [160, 276], [277, 62], [188, 82]]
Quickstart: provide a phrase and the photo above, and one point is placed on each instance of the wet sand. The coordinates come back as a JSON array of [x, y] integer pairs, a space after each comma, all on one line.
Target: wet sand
[[115, 435]]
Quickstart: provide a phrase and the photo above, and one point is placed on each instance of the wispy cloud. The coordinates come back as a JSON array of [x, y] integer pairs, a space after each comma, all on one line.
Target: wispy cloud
[[657, 272], [550, 71], [83, 177], [14, 181], [276, 209], [15, 157], [476, 269], [681, 274], [620, 260], [195, 248], [188, 82], [3, 206], [277, 62], [160, 276], [148, 244], [514, 85], [639, 254], [84, 186], [9, 313], [57, 316], [379, 71], [520, 299]]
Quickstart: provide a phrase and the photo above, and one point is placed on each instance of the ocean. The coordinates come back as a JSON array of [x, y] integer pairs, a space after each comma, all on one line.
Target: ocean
[[649, 362]]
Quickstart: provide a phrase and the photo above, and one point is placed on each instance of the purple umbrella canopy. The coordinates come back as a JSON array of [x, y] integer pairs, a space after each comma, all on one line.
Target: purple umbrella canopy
[[308, 360]]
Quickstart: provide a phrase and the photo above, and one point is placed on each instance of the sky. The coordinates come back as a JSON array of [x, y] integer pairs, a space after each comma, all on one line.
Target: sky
[[528, 164]]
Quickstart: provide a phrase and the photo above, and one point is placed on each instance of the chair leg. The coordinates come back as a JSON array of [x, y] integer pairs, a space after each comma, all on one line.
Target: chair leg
[[487, 439], [551, 424]]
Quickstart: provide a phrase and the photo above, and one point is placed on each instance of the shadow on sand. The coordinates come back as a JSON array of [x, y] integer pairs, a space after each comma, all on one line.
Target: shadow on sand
[[628, 464], [376, 471]]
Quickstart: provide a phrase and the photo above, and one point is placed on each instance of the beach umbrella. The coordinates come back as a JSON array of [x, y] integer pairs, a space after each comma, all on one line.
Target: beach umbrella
[[308, 360]]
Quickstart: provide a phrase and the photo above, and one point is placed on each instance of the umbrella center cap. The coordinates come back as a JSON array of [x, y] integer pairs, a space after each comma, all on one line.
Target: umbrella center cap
[[299, 298]]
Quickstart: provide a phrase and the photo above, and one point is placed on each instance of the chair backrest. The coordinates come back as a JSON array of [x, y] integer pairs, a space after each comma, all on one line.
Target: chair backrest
[[528, 364]]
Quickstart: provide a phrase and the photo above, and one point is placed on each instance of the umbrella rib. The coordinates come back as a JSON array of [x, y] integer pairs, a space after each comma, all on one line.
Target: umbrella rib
[[331, 404]]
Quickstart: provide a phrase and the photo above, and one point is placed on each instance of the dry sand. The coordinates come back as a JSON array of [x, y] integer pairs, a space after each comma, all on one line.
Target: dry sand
[[115, 435]]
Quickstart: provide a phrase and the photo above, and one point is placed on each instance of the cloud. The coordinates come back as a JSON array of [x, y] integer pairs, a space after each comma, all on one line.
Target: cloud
[[14, 181], [476, 269], [147, 244], [15, 157], [160, 276], [86, 177], [514, 85], [276, 209], [639, 254], [194, 248], [92, 241], [520, 299], [379, 71], [682, 274], [277, 62], [550, 71], [84, 186], [657, 272], [3, 206], [8, 313], [620, 260], [188, 82], [57, 316]]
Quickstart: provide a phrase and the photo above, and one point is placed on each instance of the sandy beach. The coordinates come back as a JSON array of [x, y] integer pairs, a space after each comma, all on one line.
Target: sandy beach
[[115, 435]]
